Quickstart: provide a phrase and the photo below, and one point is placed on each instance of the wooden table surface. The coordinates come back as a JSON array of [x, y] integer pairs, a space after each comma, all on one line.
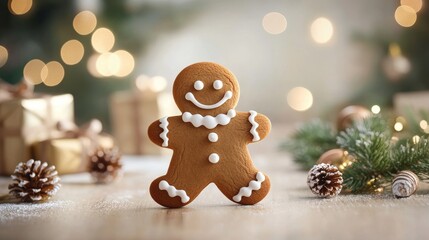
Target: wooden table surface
[[125, 210]]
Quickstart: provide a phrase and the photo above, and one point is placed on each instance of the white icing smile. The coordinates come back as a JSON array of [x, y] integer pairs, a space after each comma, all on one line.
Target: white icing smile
[[190, 97]]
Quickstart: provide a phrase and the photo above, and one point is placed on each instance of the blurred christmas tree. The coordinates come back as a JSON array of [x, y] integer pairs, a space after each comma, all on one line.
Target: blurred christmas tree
[[39, 30], [404, 65]]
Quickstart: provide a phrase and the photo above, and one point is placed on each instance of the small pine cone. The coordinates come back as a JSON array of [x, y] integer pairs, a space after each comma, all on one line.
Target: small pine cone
[[405, 184], [325, 180], [35, 181], [105, 165]]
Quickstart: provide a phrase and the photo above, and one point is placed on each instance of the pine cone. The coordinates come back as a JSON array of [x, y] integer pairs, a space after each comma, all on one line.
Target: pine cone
[[105, 165], [35, 181], [325, 180], [405, 184]]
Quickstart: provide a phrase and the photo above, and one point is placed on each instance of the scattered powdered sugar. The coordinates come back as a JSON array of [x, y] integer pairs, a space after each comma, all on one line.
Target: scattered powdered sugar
[[29, 211], [119, 200]]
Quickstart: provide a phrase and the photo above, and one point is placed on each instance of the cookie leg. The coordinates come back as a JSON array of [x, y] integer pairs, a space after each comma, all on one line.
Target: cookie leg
[[245, 189], [174, 194]]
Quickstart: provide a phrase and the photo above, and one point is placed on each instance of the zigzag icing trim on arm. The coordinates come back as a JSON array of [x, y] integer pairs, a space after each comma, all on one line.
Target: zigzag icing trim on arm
[[173, 192], [255, 125], [253, 186], [164, 125]]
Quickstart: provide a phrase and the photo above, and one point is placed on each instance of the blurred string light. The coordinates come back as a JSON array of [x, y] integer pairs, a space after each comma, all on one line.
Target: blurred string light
[[4, 55], [321, 30], [33, 71], [154, 84], [375, 109], [405, 16], [398, 126], [423, 124], [414, 4], [92, 66], [84, 22], [120, 64], [274, 23], [52, 73], [36, 72], [107, 64], [126, 63], [399, 123], [72, 52], [300, 99], [20, 7], [102, 40], [416, 139]]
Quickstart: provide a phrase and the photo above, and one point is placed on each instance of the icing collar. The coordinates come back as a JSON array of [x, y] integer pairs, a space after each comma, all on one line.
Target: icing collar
[[208, 121]]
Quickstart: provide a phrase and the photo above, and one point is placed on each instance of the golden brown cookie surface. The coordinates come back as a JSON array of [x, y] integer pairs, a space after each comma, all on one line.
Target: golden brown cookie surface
[[209, 140]]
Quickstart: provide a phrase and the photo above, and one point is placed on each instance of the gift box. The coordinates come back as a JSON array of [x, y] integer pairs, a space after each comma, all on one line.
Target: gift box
[[70, 155], [131, 115], [24, 121], [411, 103]]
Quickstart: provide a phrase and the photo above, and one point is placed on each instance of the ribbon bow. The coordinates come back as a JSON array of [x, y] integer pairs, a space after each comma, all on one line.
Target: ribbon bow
[[91, 129], [23, 89]]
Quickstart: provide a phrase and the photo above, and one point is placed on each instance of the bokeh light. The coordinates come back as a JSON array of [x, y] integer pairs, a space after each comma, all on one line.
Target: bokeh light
[[416, 139], [72, 52], [322, 30], [33, 71], [92, 66], [423, 124], [158, 84], [20, 7], [4, 55], [414, 4], [154, 84], [398, 126], [143, 82], [274, 23], [54, 73], [84, 22], [107, 64], [405, 16], [126, 63], [300, 99], [102, 40], [375, 109]]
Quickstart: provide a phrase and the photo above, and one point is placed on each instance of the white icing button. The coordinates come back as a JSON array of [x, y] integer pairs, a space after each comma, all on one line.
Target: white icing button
[[213, 137], [218, 84], [214, 158], [198, 85]]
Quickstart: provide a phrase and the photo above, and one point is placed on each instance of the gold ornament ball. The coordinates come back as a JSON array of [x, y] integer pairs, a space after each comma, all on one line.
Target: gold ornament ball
[[337, 157], [350, 114]]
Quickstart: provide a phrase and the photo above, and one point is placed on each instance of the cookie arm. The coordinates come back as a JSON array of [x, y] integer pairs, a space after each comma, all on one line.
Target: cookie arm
[[260, 126], [158, 132]]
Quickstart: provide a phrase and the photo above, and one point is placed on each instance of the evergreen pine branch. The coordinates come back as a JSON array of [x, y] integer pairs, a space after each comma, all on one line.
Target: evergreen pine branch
[[412, 155], [310, 141], [368, 141]]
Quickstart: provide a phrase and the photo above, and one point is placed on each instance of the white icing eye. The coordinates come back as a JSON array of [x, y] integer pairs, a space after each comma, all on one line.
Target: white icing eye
[[218, 84], [198, 85]]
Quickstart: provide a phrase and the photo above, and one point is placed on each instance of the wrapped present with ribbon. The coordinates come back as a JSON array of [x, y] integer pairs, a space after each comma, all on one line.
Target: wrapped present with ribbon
[[26, 118], [133, 111], [69, 153]]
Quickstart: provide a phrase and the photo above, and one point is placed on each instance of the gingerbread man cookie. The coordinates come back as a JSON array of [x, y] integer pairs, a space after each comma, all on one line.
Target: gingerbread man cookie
[[209, 140]]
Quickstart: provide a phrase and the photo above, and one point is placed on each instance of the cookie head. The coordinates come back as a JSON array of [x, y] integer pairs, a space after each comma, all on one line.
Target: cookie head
[[206, 88]]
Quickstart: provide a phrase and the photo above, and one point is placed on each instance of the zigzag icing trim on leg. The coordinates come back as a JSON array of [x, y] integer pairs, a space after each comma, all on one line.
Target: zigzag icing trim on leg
[[173, 192], [253, 186], [255, 125], [164, 125]]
